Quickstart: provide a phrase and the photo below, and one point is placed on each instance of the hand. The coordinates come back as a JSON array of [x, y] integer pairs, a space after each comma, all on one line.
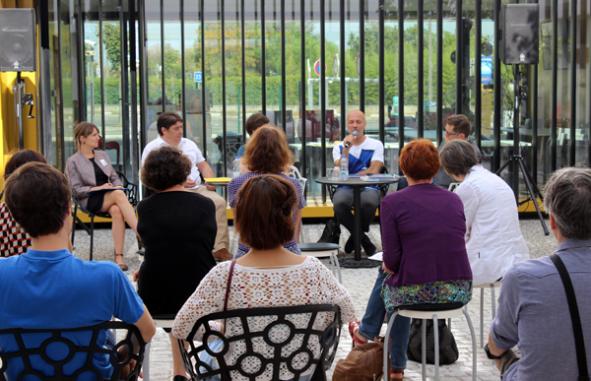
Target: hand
[[210, 187], [135, 276], [348, 142], [104, 186], [190, 183], [386, 269]]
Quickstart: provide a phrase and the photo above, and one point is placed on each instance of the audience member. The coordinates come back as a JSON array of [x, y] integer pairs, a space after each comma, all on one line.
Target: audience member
[[533, 310], [365, 157], [493, 237], [97, 186], [170, 131], [48, 287], [178, 230], [256, 120], [425, 261], [267, 152], [13, 239], [269, 275]]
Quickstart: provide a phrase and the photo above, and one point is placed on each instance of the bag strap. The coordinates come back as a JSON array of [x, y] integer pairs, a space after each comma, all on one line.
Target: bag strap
[[228, 284], [574, 315]]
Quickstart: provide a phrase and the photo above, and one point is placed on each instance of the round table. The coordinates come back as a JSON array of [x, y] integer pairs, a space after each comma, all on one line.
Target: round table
[[357, 183]]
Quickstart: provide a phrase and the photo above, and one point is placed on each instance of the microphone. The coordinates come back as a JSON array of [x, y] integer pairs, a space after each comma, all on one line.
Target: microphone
[[355, 134]]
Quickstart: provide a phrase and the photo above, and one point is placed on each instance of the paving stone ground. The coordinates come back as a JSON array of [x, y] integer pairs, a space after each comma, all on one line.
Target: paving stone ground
[[359, 283]]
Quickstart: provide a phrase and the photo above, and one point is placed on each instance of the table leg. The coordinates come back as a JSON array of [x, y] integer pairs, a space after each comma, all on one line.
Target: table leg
[[357, 222]]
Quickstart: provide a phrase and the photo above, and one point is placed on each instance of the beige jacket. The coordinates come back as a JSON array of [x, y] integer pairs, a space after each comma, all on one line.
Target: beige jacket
[[80, 173]]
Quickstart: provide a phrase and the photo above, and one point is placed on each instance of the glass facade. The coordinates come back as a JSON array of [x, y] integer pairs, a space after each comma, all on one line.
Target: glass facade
[[407, 63]]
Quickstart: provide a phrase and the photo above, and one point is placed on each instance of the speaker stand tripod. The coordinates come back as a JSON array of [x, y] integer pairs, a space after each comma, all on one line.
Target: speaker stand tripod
[[520, 86]]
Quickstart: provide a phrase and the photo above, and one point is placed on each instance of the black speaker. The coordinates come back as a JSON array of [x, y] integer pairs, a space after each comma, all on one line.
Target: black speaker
[[519, 34], [17, 39]]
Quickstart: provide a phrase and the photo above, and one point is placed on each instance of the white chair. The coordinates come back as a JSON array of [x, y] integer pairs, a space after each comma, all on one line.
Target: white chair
[[426, 315], [493, 306], [161, 322], [324, 250], [294, 172]]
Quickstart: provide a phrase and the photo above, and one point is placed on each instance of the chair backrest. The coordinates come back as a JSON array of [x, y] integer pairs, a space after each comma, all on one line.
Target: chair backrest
[[72, 354], [294, 172], [259, 343], [113, 145]]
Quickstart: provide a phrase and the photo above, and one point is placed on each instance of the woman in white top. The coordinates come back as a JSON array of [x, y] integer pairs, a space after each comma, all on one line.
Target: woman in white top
[[268, 275], [493, 237]]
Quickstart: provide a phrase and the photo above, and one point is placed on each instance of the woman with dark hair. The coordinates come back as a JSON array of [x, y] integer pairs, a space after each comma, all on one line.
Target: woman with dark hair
[[178, 229], [425, 261], [267, 152], [268, 275], [97, 187], [13, 239]]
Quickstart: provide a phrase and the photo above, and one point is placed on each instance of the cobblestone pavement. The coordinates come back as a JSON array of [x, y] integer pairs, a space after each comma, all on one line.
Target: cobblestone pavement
[[359, 283]]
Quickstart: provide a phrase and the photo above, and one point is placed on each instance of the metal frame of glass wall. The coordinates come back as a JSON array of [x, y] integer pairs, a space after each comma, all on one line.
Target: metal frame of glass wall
[[408, 64]]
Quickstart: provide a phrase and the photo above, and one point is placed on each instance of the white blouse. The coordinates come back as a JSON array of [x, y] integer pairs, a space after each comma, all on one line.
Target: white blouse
[[493, 237]]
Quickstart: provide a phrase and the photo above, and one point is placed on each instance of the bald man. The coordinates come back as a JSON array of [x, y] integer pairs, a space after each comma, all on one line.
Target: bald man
[[366, 157]]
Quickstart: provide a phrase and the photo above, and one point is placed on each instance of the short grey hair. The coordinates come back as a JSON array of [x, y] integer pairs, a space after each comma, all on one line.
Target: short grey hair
[[568, 199], [458, 156]]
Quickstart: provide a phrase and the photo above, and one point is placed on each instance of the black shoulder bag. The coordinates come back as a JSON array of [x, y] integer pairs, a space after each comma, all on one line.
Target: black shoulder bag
[[575, 318]]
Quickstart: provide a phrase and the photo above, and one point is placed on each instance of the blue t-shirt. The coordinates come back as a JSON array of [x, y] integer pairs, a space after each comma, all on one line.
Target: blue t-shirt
[[54, 289]]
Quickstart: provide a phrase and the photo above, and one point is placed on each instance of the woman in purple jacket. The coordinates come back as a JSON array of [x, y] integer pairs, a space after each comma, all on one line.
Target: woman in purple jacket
[[425, 261]]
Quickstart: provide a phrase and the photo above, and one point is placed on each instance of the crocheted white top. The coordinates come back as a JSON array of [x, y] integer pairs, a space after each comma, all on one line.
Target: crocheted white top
[[307, 283]]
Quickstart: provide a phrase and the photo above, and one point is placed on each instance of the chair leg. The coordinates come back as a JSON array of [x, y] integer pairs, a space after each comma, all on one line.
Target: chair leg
[[436, 345], [91, 236], [473, 336], [337, 266], [424, 350], [482, 317], [146, 363], [493, 301], [74, 223], [387, 345]]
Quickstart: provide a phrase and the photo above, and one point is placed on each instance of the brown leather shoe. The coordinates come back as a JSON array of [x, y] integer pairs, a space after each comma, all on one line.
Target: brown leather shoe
[[222, 255]]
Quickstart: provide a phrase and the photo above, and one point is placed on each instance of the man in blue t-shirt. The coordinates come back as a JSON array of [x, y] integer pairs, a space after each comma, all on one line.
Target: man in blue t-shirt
[[48, 287], [366, 157]]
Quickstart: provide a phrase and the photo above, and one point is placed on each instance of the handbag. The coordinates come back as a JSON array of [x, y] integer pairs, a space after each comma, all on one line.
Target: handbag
[[331, 232], [448, 349], [363, 363], [574, 316]]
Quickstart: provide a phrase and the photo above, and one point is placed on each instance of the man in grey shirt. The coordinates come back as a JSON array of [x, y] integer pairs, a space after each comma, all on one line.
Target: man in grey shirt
[[533, 310]]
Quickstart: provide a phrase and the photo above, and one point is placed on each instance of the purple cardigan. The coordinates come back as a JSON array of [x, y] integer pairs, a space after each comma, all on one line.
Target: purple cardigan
[[423, 228]]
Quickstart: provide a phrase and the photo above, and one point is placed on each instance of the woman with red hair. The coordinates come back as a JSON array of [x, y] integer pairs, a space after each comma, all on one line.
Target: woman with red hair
[[425, 261]]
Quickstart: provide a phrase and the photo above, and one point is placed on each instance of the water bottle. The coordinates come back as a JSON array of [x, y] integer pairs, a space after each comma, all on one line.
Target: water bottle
[[344, 168]]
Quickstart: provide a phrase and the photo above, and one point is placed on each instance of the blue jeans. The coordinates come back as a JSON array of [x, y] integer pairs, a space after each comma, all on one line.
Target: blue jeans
[[372, 321]]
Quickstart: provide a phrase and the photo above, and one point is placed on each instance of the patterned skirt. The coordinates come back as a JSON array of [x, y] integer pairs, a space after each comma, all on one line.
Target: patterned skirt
[[440, 292]]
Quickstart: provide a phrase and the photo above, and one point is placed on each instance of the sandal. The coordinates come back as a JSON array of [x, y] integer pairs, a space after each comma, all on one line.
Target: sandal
[[123, 266], [355, 335], [396, 375]]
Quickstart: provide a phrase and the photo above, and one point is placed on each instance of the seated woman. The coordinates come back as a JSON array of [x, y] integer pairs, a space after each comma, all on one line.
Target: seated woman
[[425, 261], [97, 187], [268, 275], [267, 152], [493, 237], [13, 239], [178, 229]]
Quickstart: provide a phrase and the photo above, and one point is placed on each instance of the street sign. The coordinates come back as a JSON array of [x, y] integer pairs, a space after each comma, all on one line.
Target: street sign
[[198, 77], [317, 67]]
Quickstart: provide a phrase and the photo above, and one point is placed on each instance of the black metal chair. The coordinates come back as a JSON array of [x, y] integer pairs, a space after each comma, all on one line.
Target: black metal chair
[[131, 190], [294, 338], [72, 354]]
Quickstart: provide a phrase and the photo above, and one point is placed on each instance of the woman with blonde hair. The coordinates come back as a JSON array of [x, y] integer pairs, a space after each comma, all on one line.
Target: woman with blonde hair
[[267, 152], [97, 187]]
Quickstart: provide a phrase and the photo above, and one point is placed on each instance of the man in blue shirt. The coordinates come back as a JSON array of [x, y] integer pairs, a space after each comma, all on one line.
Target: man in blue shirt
[[365, 157], [533, 310], [48, 287]]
